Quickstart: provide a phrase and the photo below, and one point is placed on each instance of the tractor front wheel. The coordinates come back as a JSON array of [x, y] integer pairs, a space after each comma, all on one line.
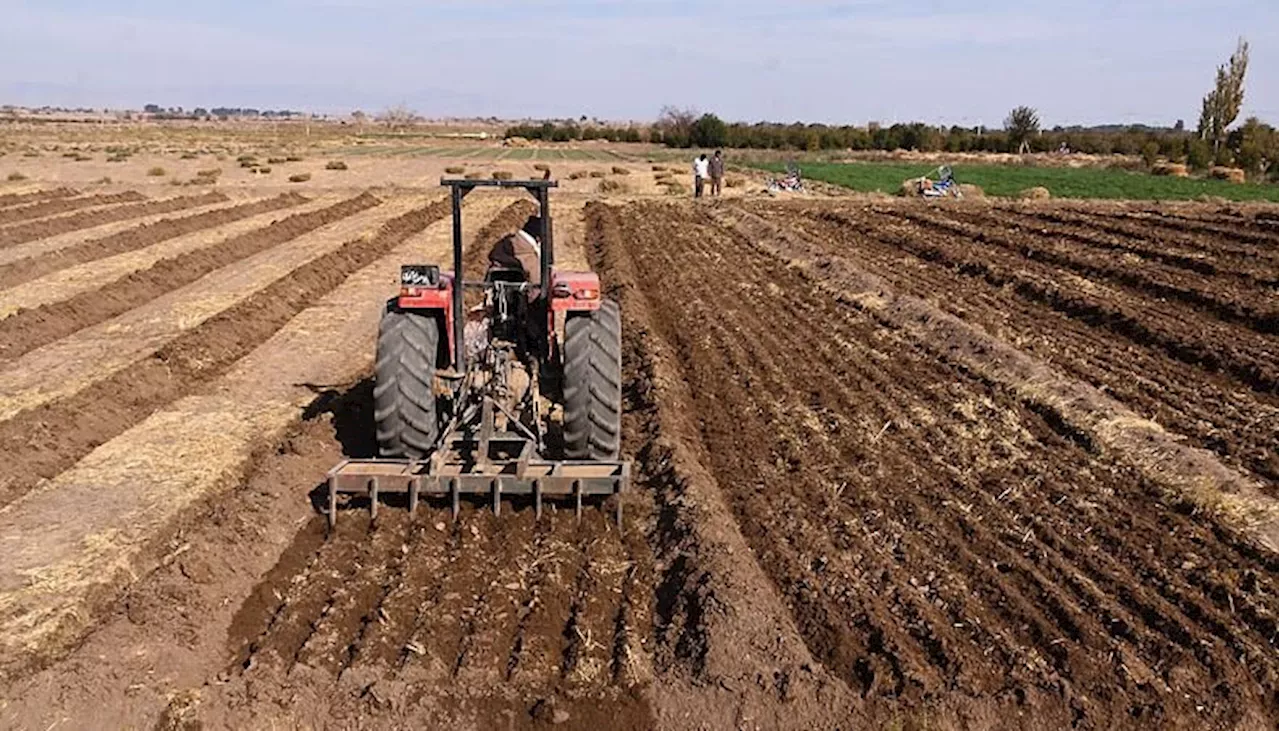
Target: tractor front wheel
[[593, 384], [404, 401]]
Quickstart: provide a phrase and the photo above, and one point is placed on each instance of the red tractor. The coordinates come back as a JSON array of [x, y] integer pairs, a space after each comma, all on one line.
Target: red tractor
[[462, 399]]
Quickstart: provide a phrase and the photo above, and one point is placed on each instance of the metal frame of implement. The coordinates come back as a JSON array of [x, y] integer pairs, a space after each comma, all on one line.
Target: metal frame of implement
[[448, 471]]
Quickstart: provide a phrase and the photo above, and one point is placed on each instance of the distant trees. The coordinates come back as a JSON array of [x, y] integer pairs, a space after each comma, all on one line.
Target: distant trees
[[397, 116], [1221, 106], [1021, 124], [708, 131], [675, 126]]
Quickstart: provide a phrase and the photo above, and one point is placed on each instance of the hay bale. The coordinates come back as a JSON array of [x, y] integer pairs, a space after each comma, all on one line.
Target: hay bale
[[515, 142], [612, 186], [1231, 175], [502, 175], [675, 187], [473, 176], [455, 170], [335, 165], [299, 177], [597, 173], [1038, 193], [969, 190], [542, 167], [618, 170], [1170, 169]]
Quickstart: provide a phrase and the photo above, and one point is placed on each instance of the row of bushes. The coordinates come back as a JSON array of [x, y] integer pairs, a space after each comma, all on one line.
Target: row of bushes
[[550, 132]]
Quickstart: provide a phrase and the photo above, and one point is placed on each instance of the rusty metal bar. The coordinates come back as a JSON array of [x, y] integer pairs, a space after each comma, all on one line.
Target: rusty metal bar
[[373, 498], [414, 486]]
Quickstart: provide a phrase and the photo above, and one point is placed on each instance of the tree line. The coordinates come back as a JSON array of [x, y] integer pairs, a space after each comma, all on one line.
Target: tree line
[[1252, 145]]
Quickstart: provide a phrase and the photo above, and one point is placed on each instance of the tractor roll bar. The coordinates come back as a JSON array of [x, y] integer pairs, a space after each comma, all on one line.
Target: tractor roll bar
[[458, 190]]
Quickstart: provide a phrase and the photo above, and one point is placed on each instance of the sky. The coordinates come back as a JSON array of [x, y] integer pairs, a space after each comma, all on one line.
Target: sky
[[937, 61]]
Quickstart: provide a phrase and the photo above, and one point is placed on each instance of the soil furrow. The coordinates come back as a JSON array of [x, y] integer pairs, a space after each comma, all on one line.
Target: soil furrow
[[50, 438], [136, 238], [31, 329], [17, 199], [65, 205], [30, 231]]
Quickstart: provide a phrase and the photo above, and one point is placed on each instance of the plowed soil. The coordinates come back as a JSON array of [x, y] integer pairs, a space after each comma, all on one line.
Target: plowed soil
[[33, 230], [839, 519], [64, 205]]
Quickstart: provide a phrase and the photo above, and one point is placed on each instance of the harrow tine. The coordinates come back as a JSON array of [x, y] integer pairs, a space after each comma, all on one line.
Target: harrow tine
[[414, 486], [333, 501], [537, 499], [497, 497], [373, 498], [453, 497], [577, 500]]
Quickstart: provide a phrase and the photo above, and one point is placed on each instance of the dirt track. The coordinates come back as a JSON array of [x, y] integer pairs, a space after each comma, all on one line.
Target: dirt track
[[836, 522]]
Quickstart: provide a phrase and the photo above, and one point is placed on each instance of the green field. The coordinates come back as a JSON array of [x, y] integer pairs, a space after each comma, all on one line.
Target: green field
[[1008, 180]]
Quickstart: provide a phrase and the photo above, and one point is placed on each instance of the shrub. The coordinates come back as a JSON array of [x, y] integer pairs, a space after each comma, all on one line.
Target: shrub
[[118, 157], [612, 186], [734, 181], [250, 164], [455, 170], [104, 180], [1150, 152], [542, 167], [293, 158], [199, 180], [246, 158], [188, 156], [617, 170], [658, 168], [675, 187], [335, 165], [264, 170], [82, 158], [211, 174], [502, 175], [299, 177], [15, 177], [157, 172], [276, 161], [474, 176], [597, 173], [31, 153], [577, 174]]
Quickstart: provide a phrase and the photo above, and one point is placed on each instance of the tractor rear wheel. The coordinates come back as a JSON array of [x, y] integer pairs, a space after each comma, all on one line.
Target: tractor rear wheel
[[403, 398], [593, 384]]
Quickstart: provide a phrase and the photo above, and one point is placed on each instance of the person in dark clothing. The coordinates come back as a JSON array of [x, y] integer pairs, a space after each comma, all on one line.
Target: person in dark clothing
[[716, 171], [521, 250]]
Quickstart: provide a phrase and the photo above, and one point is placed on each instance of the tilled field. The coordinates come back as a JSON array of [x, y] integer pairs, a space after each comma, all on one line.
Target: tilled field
[[862, 498]]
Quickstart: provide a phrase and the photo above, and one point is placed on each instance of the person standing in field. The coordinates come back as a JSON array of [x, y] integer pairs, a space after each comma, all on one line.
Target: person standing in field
[[716, 169], [700, 169]]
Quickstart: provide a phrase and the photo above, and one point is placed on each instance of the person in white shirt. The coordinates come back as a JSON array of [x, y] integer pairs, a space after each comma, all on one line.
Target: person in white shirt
[[700, 167]]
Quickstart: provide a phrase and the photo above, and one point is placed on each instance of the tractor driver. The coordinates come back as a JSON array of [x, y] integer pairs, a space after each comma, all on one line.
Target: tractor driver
[[521, 250]]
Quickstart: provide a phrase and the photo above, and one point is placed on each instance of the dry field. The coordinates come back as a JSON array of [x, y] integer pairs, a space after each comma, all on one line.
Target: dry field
[[900, 465]]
